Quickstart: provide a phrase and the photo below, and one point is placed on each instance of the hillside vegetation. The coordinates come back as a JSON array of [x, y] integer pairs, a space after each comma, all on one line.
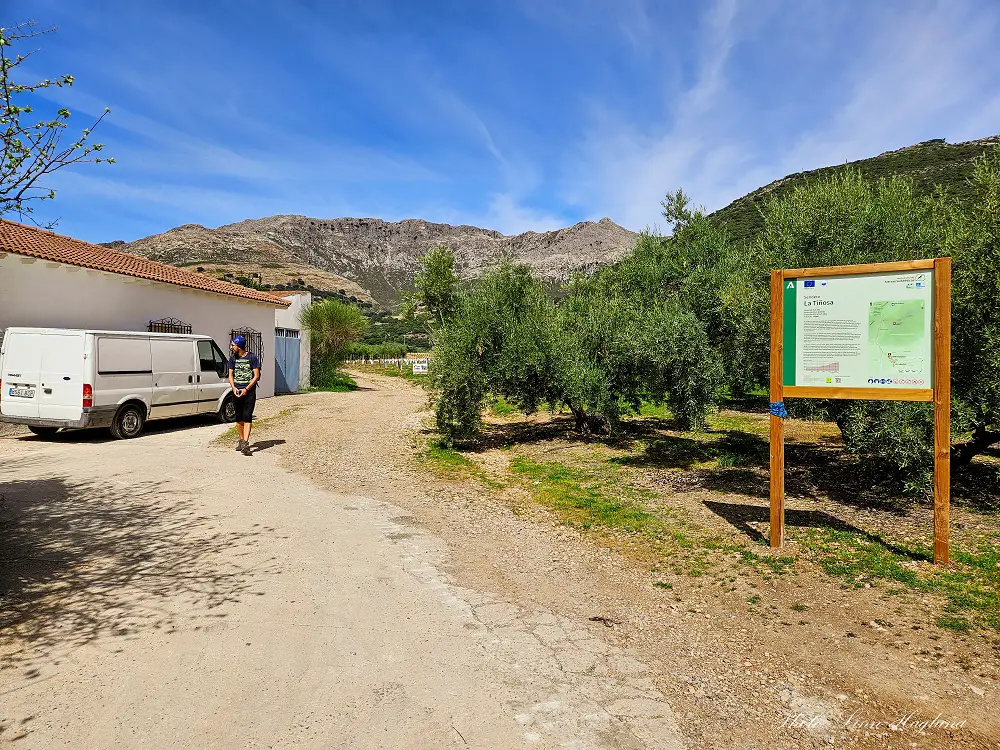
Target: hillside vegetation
[[929, 165]]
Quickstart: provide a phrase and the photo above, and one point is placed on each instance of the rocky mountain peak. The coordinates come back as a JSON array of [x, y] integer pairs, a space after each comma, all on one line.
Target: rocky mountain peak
[[382, 257]]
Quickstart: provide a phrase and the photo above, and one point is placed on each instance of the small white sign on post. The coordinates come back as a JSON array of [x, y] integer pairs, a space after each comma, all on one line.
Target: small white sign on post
[[419, 368]]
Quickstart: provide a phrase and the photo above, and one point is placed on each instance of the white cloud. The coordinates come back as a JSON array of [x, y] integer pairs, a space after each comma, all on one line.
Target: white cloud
[[917, 72], [924, 75], [627, 168]]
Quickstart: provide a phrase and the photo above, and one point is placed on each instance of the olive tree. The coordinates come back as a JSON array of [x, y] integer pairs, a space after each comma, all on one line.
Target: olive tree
[[501, 341], [972, 237], [436, 285]]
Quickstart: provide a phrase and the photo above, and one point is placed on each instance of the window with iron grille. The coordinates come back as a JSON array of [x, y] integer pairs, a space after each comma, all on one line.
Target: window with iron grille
[[255, 342], [286, 333], [168, 325]]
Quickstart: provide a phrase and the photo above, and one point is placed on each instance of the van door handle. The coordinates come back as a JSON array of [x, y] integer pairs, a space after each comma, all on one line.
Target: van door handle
[[190, 378]]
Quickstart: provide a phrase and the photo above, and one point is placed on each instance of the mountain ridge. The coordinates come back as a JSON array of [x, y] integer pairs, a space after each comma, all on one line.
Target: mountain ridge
[[380, 256]]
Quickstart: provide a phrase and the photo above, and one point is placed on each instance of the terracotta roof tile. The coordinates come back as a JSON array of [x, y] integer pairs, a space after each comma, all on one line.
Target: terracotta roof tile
[[21, 239]]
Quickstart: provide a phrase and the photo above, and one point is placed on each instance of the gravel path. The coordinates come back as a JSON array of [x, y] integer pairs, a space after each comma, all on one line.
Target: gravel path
[[167, 591]]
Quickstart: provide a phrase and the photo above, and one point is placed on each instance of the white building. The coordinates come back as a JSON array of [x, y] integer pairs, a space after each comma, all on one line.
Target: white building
[[54, 281], [290, 346]]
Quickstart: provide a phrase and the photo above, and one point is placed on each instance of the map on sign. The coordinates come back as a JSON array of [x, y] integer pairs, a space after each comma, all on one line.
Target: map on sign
[[859, 330], [897, 338]]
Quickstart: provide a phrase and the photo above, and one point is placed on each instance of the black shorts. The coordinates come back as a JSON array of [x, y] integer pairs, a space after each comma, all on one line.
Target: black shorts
[[244, 406]]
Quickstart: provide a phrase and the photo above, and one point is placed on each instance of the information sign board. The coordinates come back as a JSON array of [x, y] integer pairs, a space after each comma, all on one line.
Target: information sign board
[[874, 331], [859, 330]]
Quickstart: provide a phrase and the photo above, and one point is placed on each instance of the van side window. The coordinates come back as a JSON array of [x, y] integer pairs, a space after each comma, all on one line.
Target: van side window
[[221, 361], [206, 355]]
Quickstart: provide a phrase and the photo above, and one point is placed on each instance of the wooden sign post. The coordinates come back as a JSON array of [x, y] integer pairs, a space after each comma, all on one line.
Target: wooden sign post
[[880, 331]]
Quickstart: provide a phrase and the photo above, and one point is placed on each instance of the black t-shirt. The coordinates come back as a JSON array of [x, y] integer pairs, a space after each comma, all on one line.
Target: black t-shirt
[[242, 369]]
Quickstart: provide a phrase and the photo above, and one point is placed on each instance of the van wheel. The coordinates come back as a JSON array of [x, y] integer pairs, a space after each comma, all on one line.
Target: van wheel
[[128, 422], [44, 432], [228, 411]]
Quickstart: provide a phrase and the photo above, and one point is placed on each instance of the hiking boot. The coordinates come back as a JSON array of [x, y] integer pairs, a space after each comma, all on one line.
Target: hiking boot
[[246, 449], [240, 445]]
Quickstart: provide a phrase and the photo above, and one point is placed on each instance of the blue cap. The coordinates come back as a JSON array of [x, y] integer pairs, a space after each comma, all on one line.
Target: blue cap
[[240, 341]]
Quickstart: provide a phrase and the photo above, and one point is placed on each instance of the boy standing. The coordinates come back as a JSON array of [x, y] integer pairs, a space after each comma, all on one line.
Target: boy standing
[[244, 373]]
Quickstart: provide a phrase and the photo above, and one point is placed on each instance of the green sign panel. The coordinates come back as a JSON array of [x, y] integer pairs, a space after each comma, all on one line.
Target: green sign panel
[[859, 331]]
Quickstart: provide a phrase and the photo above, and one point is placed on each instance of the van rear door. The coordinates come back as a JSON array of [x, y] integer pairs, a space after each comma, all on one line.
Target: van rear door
[[21, 374], [61, 386]]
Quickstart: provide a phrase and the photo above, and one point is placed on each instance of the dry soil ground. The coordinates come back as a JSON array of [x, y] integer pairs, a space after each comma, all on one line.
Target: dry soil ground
[[170, 592], [330, 591]]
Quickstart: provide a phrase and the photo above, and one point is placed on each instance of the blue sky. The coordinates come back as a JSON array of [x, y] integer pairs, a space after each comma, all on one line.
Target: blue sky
[[508, 115]]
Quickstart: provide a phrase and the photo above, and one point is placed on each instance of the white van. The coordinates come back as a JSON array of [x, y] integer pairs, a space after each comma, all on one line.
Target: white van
[[52, 378]]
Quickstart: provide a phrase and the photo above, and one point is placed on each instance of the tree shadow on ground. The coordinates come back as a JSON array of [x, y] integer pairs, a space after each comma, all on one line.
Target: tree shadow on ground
[[742, 517], [812, 470], [495, 435], [817, 471], [821, 470], [978, 484], [732, 448], [83, 560], [752, 404], [507, 434]]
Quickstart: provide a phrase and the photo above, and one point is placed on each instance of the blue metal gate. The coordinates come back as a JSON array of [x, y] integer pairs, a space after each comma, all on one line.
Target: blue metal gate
[[286, 360]]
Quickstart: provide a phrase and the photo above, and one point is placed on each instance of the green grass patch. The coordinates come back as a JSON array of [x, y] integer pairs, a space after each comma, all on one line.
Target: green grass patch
[[503, 408], [600, 494], [448, 463], [735, 422], [951, 622], [340, 382], [660, 411], [970, 586], [582, 496]]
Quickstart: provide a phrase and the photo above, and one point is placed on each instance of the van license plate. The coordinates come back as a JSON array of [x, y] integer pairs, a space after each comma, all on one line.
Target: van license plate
[[21, 392]]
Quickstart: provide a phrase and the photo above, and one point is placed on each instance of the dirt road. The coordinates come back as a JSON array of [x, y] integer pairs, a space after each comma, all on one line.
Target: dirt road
[[170, 592]]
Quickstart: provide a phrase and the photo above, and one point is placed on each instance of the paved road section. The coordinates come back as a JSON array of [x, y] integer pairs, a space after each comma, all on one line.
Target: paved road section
[[167, 592]]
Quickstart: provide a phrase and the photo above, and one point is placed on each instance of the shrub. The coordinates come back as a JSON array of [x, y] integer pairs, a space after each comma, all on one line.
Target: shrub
[[333, 326]]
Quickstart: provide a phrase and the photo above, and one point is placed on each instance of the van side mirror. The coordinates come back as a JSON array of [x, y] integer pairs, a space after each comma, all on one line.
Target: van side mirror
[[220, 369]]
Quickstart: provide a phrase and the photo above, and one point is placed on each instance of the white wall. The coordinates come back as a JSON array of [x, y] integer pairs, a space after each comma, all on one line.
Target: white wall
[[289, 318], [36, 292]]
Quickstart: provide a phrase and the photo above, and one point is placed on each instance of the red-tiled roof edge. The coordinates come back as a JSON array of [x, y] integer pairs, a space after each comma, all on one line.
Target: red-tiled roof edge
[[144, 267]]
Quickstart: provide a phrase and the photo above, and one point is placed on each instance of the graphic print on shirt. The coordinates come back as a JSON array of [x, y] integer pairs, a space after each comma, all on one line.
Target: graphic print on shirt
[[243, 368]]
